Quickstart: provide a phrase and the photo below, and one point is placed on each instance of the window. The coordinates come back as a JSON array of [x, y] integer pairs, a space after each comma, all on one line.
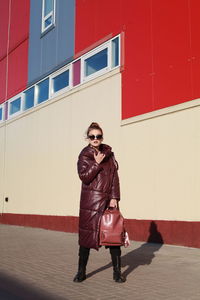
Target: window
[[48, 14], [15, 106], [95, 63], [1, 113], [115, 52], [60, 81], [100, 60], [29, 98], [43, 90]]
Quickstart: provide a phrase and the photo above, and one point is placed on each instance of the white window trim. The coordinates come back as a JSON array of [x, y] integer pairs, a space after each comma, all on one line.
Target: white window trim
[[44, 18], [119, 52], [2, 106], [67, 88], [91, 53], [10, 116]]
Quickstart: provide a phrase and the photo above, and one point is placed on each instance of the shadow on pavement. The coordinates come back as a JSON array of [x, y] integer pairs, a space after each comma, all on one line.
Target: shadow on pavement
[[14, 289], [140, 256]]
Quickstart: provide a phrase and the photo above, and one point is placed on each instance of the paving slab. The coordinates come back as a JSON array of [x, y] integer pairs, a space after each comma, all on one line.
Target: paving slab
[[40, 264]]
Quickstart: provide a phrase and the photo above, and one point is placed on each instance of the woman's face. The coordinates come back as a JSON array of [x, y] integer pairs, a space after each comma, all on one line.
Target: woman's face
[[95, 137]]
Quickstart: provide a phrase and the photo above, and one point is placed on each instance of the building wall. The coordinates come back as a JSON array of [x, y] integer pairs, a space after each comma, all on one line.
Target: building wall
[[51, 50], [158, 158], [41, 175], [14, 47], [148, 108], [2, 170], [161, 60], [161, 168], [4, 8]]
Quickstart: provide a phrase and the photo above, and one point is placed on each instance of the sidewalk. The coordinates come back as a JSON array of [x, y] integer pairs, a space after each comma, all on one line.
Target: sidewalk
[[40, 264]]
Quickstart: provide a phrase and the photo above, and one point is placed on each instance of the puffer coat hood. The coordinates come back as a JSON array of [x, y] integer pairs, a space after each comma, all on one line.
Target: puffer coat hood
[[100, 183]]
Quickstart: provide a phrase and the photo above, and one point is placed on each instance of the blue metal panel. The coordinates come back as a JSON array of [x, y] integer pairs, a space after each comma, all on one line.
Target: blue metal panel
[[34, 53], [49, 51], [66, 25]]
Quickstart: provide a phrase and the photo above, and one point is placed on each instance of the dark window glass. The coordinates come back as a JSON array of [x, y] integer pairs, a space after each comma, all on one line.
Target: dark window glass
[[43, 90], [48, 7], [1, 114], [29, 98], [48, 21], [61, 81], [15, 106], [96, 62]]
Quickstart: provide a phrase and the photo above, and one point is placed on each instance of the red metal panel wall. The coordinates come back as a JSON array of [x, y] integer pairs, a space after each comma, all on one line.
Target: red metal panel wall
[[18, 47], [4, 11], [16, 60], [170, 49], [137, 77], [19, 27], [2, 80], [162, 48], [17, 69], [95, 20], [194, 9], [171, 52]]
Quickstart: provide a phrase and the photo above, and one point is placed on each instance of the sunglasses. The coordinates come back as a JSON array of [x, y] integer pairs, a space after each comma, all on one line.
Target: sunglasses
[[97, 137]]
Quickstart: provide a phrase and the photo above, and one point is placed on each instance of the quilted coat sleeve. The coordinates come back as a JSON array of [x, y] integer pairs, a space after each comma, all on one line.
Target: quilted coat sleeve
[[115, 189], [87, 169]]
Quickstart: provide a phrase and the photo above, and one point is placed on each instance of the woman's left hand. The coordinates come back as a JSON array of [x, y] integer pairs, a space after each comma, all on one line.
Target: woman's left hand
[[113, 203]]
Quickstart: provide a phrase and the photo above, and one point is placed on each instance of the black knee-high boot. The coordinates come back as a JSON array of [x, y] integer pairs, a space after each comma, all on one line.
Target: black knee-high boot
[[115, 252], [82, 263]]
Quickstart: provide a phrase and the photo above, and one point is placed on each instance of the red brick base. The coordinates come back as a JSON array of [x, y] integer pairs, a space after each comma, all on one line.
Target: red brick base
[[59, 223], [168, 232]]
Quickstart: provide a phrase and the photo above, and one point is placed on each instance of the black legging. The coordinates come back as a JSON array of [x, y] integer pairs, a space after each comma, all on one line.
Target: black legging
[[114, 251]]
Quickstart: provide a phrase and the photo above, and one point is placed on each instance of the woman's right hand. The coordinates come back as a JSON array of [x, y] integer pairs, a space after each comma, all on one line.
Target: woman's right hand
[[99, 157]]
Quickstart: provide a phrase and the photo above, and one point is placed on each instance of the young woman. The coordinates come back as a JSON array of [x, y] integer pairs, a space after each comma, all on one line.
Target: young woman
[[97, 169]]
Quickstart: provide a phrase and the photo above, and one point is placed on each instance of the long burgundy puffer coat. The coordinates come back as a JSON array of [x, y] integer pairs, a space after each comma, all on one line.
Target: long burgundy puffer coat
[[100, 183]]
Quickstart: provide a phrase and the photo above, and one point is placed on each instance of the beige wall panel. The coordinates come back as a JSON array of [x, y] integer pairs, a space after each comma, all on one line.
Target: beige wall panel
[[36, 161], [2, 185], [159, 158], [43, 146], [99, 103], [161, 172]]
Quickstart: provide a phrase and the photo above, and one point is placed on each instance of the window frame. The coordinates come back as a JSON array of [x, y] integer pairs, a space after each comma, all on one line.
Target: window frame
[[10, 116], [119, 50], [44, 18], [91, 53], [23, 98], [37, 92], [57, 73], [2, 106]]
